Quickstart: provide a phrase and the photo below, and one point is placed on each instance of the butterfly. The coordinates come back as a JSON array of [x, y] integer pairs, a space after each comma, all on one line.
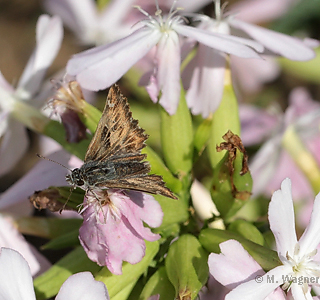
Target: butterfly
[[114, 159]]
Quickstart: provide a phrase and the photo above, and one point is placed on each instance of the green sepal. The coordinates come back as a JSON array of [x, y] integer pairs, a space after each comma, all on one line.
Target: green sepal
[[70, 239], [159, 168], [47, 227], [202, 135], [177, 138], [48, 284], [211, 238], [158, 284], [225, 118], [187, 266], [90, 116], [248, 231], [130, 273], [230, 190], [174, 212]]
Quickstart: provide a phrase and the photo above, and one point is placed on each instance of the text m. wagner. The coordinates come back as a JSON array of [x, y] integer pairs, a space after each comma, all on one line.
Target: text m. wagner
[[300, 280]]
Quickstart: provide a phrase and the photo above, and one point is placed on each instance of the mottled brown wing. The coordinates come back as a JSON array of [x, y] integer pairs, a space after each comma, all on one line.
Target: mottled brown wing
[[117, 132], [152, 184]]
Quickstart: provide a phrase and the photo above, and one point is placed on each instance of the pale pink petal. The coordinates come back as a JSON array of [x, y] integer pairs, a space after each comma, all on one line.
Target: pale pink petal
[[81, 17], [4, 84], [82, 286], [311, 238], [222, 42], [119, 234], [190, 5], [168, 73], [11, 238], [49, 38], [281, 212], [279, 43], [151, 85], [234, 265], [100, 67], [252, 74], [260, 11], [15, 277], [301, 188], [260, 289], [264, 164], [256, 124], [14, 143], [207, 82], [43, 175]]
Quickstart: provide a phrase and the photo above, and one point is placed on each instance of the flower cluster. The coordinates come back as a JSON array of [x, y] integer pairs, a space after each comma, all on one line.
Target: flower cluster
[[180, 202]]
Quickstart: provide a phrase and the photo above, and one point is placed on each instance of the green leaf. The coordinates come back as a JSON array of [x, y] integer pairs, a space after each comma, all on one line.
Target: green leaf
[[211, 238], [177, 139], [90, 116], [158, 284], [130, 273], [48, 284], [187, 266], [247, 230]]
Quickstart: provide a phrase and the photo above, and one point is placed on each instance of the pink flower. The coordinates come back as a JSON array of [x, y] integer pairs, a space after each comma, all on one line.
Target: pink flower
[[164, 32], [14, 141], [204, 76], [16, 281], [300, 266], [234, 266], [113, 231], [272, 163]]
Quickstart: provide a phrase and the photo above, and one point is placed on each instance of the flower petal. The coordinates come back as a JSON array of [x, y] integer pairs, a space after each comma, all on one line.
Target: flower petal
[[260, 289], [234, 265], [14, 143], [281, 212], [43, 175], [168, 73], [222, 42], [279, 43], [207, 81], [15, 277], [119, 235], [79, 17], [100, 67], [11, 238], [311, 238], [49, 37], [82, 286]]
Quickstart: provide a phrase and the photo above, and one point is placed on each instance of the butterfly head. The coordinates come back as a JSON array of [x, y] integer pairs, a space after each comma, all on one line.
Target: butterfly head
[[75, 178]]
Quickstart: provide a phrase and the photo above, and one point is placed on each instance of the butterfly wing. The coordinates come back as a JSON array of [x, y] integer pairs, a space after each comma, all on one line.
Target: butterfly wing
[[152, 184], [117, 132]]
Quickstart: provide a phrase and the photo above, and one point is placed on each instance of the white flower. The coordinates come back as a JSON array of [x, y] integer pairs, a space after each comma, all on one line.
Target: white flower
[[204, 75], [100, 67], [16, 281], [14, 141], [91, 25], [299, 268]]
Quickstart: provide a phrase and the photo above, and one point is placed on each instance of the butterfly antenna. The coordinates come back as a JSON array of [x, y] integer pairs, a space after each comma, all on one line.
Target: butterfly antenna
[[65, 204], [46, 158]]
